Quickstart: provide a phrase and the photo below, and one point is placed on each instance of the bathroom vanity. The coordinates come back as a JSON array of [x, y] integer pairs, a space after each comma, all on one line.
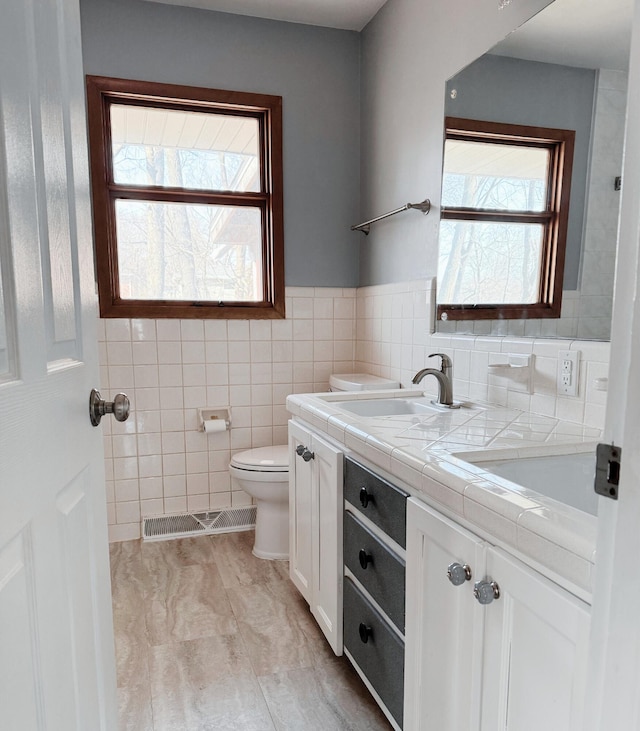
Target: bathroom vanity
[[460, 598]]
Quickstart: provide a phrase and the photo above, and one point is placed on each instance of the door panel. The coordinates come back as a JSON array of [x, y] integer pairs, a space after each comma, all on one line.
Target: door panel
[[444, 624], [52, 188], [300, 513], [326, 604], [535, 652], [18, 675]]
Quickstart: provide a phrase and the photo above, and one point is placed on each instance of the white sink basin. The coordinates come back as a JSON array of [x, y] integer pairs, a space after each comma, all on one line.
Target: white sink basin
[[565, 477], [387, 406]]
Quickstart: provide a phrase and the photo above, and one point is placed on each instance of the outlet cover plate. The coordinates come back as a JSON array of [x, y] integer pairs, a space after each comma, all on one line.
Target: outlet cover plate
[[568, 372]]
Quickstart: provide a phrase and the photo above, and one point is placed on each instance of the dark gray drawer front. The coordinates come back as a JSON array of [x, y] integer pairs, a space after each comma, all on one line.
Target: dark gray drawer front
[[384, 575], [383, 503], [381, 658]]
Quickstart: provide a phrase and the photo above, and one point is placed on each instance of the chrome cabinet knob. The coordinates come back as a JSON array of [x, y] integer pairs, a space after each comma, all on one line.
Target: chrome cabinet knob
[[304, 452], [486, 591], [458, 574], [98, 407]]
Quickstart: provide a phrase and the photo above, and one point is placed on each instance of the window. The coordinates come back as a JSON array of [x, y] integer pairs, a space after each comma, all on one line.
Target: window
[[187, 200], [505, 205]]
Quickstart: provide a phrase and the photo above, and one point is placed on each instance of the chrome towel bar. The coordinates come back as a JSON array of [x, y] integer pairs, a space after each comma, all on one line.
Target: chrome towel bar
[[424, 206]]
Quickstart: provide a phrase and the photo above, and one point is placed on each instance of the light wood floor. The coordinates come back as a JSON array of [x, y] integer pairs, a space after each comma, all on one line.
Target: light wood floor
[[208, 637]]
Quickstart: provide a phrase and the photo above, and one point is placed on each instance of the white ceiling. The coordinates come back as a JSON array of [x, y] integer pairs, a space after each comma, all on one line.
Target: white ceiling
[[588, 33], [592, 34], [345, 14]]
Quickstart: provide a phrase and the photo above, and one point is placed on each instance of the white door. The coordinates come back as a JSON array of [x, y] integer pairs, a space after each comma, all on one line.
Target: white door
[[613, 701], [56, 637]]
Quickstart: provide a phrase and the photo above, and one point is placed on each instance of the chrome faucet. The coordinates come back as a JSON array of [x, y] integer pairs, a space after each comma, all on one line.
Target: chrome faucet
[[443, 376]]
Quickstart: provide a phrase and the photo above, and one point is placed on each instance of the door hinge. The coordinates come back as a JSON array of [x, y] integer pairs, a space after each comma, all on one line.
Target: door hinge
[[608, 458]]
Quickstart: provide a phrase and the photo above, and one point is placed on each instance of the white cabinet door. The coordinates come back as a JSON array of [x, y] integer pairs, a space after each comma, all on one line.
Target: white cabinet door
[[300, 513], [535, 652], [443, 624], [327, 514], [315, 528]]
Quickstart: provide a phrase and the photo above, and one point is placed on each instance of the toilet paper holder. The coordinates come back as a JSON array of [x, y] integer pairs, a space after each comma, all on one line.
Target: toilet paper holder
[[216, 414]]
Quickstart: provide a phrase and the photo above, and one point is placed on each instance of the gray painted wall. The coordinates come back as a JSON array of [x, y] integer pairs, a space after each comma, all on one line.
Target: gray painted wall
[[315, 70], [500, 89]]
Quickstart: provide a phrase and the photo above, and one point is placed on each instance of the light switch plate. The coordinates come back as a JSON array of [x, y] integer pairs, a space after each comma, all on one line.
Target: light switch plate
[[568, 372]]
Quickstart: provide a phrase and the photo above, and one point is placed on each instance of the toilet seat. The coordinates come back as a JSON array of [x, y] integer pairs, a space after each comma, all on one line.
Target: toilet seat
[[263, 459]]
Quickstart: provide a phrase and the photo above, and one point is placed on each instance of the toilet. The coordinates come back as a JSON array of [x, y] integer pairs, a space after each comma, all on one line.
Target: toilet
[[263, 473]]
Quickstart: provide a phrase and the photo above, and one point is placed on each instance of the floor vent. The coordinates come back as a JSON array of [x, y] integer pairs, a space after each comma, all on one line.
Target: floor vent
[[191, 524]]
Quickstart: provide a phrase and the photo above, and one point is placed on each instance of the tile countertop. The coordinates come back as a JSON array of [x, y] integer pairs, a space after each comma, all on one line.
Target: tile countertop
[[427, 452]]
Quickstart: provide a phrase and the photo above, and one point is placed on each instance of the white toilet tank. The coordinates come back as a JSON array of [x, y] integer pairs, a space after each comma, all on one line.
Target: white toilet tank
[[359, 382]]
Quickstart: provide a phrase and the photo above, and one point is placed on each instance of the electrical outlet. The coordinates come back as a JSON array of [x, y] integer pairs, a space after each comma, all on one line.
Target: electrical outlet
[[568, 372]]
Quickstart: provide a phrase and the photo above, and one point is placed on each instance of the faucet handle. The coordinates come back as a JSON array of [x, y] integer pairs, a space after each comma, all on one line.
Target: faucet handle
[[446, 364]]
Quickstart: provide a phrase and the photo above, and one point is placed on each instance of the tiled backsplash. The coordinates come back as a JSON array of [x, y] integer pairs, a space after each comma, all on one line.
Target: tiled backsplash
[[384, 349], [158, 462]]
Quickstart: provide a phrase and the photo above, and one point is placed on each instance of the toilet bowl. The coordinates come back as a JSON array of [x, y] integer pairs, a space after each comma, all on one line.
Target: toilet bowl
[[263, 473]]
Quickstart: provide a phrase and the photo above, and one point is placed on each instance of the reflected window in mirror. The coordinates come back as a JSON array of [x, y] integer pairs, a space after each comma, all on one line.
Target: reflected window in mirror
[[505, 204]]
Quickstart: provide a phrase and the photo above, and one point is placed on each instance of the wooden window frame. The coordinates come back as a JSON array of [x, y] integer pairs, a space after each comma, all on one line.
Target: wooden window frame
[[554, 218], [267, 109]]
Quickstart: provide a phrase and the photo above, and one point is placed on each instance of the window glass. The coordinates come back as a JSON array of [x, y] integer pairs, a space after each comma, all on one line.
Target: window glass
[[493, 263], [178, 251], [494, 176], [174, 148]]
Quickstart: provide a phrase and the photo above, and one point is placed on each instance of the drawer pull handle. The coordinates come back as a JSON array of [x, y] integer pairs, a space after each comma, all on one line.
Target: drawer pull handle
[[365, 497], [300, 449], [364, 558], [458, 574], [307, 455], [365, 632]]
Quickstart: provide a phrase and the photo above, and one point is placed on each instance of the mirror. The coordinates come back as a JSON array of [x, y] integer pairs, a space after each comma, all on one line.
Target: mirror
[[566, 68]]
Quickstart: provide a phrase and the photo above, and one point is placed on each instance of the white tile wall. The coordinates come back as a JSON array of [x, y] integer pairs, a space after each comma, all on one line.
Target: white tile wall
[[158, 462], [382, 349]]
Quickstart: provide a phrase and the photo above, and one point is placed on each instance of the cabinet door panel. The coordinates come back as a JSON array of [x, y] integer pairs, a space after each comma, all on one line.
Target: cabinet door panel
[[443, 625], [535, 652], [300, 513], [326, 603]]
